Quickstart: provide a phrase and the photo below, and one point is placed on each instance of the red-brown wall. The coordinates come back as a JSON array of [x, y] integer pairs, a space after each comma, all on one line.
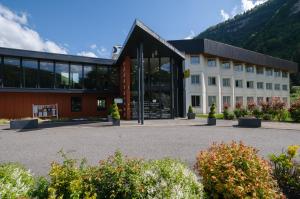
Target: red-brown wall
[[15, 105]]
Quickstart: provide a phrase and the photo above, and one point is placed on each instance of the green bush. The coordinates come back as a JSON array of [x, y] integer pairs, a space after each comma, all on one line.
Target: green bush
[[287, 171], [267, 117], [295, 110], [226, 112], [257, 113], [240, 112], [170, 179], [283, 115], [40, 190], [115, 112], [230, 116], [235, 171], [212, 112], [15, 181], [190, 109]]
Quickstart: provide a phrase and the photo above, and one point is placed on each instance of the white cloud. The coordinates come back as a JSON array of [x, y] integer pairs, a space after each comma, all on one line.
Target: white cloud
[[225, 15], [16, 33], [244, 7], [93, 46], [87, 54], [249, 4], [191, 35]]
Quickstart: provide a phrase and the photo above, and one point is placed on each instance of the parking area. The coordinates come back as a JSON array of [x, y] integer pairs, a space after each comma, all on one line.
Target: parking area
[[179, 138]]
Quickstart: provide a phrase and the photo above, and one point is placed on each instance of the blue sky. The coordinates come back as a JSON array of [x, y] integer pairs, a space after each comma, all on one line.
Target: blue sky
[[92, 27]]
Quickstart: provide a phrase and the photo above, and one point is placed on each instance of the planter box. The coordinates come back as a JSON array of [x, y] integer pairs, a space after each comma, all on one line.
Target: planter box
[[191, 116], [249, 122], [211, 121], [24, 124], [109, 118], [115, 122]]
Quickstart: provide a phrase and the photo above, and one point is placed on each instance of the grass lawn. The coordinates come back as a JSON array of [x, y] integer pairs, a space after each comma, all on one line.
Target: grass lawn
[[4, 121]]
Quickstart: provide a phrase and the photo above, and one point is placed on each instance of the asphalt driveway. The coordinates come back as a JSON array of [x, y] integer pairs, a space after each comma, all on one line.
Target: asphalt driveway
[[179, 139]]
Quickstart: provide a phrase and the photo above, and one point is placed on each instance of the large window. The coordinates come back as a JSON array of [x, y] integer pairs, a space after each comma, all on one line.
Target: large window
[[259, 70], [46, 74], [250, 69], [76, 76], [101, 104], [12, 72], [62, 75], [76, 104], [225, 65], [30, 73], [90, 77], [260, 100], [250, 84], [212, 100], [285, 74], [269, 86], [195, 59], [277, 87], [196, 101], [277, 73], [239, 83], [226, 82], [269, 71], [284, 87], [212, 81], [238, 67], [211, 62], [260, 85], [226, 100], [195, 79], [250, 100], [239, 100]]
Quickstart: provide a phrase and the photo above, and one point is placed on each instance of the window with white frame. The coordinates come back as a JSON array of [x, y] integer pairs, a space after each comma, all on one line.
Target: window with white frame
[[211, 62], [259, 70], [239, 83], [250, 100], [250, 84], [195, 101], [285, 74], [212, 81], [238, 67], [226, 100], [285, 100], [250, 69], [195, 59], [269, 86], [212, 100], [226, 82], [225, 65], [269, 72], [284, 87], [260, 100], [276, 72], [260, 85], [277, 87], [195, 79], [239, 99]]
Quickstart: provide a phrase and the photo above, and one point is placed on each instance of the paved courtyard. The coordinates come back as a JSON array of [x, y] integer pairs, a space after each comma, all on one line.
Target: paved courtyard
[[179, 138]]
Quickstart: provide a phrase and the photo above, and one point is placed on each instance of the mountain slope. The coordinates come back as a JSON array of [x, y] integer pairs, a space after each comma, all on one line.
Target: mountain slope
[[272, 28]]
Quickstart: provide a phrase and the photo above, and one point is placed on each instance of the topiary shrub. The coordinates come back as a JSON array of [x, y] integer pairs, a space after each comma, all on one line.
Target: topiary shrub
[[235, 171], [170, 179], [295, 110], [212, 112], [115, 112], [15, 181], [226, 111], [190, 109], [286, 171]]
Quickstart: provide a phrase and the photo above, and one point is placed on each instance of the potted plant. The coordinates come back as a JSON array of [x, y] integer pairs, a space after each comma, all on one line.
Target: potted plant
[[115, 115], [211, 120], [191, 115], [109, 113], [249, 119]]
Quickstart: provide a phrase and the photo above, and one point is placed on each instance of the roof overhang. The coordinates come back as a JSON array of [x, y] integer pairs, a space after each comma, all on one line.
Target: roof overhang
[[218, 49], [151, 41], [54, 56]]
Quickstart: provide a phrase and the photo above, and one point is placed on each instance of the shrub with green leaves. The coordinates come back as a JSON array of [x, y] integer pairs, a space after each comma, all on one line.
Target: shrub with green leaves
[[286, 171], [15, 181], [190, 109], [295, 110], [212, 112], [115, 112], [235, 171], [170, 179]]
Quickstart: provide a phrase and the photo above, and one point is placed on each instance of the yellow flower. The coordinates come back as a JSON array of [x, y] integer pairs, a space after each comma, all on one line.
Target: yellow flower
[[292, 150]]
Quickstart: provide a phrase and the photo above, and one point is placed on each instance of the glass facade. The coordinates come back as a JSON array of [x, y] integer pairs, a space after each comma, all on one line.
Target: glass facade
[[158, 87], [48, 74]]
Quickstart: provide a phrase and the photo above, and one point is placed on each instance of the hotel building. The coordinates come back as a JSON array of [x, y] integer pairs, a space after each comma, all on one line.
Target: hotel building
[[146, 75]]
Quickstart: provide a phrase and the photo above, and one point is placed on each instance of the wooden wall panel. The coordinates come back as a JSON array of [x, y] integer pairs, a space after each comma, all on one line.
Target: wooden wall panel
[[15, 105]]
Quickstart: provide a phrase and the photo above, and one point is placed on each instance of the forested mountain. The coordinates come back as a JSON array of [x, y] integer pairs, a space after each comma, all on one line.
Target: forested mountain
[[272, 28]]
